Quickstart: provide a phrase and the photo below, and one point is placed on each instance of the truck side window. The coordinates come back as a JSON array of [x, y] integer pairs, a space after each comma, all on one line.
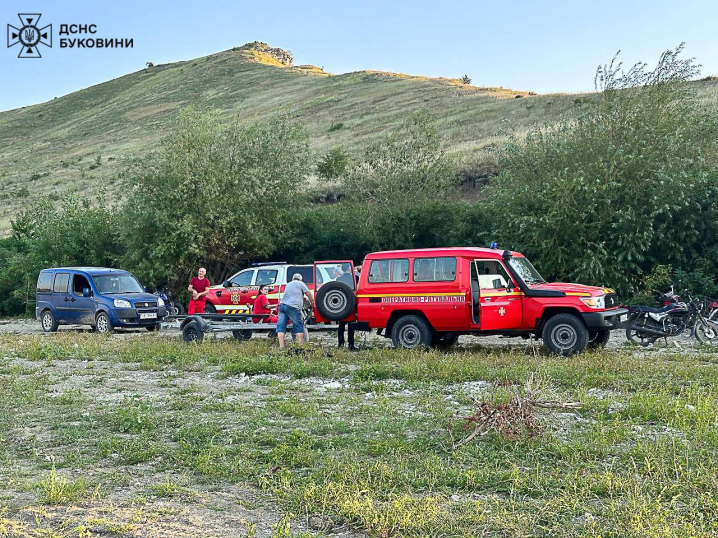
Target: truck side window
[[434, 269], [243, 279], [266, 276], [492, 275], [381, 271]]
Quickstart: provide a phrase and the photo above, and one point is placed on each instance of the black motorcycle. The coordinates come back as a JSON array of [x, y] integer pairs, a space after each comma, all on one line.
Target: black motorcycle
[[647, 324]]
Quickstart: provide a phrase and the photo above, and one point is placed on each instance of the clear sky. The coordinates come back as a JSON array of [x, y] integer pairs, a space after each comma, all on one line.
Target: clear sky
[[543, 46]]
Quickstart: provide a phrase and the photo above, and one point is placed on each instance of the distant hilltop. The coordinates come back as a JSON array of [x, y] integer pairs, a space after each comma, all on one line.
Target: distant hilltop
[[282, 56]]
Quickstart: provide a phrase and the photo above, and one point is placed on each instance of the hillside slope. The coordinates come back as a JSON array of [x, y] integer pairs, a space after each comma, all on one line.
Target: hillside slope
[[78, 142]]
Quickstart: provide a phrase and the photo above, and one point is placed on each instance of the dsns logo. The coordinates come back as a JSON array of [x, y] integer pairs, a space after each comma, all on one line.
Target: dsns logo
[[29, 36]]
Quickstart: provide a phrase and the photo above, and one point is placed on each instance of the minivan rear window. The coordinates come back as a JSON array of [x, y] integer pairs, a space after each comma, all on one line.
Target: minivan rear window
[[44, 282], [61, 282]]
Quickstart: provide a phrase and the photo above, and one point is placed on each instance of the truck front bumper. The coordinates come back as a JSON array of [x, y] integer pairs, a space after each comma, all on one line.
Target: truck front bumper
[[616, 318]]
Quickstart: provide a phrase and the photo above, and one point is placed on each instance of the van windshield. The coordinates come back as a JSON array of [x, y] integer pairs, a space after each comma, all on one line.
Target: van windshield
[[109, 284], [526, 271]]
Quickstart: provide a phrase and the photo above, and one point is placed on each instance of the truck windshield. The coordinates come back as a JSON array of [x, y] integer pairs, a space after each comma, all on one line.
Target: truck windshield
[[526, 271], [108, 284]]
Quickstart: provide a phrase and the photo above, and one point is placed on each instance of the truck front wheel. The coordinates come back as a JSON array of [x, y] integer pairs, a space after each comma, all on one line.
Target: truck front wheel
[[411, 332], [565, 334]]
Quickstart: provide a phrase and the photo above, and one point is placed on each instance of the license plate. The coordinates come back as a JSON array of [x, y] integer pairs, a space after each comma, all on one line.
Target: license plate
[[622, 318], [148, 315]]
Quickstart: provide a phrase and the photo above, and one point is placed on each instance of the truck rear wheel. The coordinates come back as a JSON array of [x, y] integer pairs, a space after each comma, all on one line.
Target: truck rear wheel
[[565, 334], [335, 301], [411, 332]]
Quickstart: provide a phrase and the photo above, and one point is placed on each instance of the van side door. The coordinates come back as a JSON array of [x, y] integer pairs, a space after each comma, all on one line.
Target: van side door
[[61, 298], [82, 309]]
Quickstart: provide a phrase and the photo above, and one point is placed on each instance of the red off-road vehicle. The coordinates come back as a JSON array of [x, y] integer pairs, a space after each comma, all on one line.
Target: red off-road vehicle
[[427, 297]]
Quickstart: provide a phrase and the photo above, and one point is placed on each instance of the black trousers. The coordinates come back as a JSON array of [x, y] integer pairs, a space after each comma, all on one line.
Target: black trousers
[[340, 333]]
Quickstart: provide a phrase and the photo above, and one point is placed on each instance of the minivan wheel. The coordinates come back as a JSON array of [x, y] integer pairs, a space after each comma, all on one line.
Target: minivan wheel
[[565, 334], [49, 323], [103, 325], [411, 332]]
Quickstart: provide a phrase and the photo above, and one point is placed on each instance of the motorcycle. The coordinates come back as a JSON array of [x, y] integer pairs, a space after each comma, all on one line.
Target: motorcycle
[[647, 324], [173, 309], [706, 328]]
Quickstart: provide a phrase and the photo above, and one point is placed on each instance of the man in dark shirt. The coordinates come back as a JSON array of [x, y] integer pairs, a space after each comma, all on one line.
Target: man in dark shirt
[[346, 278], [199, 288]]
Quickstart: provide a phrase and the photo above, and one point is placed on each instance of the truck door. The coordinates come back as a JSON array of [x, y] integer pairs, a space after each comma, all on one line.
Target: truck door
[[237, 297], [499, 299]]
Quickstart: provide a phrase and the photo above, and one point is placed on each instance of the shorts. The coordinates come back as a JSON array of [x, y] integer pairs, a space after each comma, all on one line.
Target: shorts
[[289, 313]]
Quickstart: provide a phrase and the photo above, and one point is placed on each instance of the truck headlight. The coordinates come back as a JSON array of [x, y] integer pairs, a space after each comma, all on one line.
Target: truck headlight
[[595, 302], [121, 303], [160, 302]]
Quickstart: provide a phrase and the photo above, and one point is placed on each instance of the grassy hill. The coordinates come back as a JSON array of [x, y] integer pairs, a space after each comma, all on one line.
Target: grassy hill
[[77, 142]]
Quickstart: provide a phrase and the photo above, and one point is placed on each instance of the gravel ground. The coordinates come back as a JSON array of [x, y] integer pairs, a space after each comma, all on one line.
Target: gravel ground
[[683, 343]]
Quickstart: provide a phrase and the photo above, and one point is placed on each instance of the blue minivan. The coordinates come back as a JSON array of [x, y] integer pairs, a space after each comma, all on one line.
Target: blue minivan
[[96, 296]]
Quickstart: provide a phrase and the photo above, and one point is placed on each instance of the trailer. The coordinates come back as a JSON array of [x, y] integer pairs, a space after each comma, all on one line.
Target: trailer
[[242, 326]]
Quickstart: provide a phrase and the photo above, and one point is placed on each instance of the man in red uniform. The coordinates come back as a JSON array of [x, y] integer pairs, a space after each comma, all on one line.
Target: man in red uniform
[[199, 288], [262, 306]]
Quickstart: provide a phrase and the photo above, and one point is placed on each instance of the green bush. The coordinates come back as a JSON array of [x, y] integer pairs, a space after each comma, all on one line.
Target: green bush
[[212, 196], [628, 184]]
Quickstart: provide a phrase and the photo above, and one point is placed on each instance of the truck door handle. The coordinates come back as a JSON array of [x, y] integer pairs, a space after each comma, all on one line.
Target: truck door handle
[[66, 299], [72, 299]]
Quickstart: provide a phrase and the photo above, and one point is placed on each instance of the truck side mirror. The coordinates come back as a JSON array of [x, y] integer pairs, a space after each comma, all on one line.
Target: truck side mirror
[[86, 292], [226, 284], [509, 287]]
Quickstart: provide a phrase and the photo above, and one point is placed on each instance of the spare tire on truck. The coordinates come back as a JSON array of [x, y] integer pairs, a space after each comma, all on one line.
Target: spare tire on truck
[[335, 301]]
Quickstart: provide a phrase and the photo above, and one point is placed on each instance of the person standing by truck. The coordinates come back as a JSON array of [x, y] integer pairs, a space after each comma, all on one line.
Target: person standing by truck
[[290, 308], [347, 278], [199, 288]]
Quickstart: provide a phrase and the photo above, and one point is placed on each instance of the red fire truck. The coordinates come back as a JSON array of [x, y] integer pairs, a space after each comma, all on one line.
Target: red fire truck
[[428, 297]]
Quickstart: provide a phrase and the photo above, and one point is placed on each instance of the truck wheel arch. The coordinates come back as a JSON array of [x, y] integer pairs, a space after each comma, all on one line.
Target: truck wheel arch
[[397, 314], [551, 311]]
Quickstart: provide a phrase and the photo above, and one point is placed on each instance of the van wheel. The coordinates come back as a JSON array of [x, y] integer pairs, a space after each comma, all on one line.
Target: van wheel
[[565, 334], [49, 323], [598, 339], [103, 324], [411, 332], [243, 334], [335, 301], [192, 333]]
